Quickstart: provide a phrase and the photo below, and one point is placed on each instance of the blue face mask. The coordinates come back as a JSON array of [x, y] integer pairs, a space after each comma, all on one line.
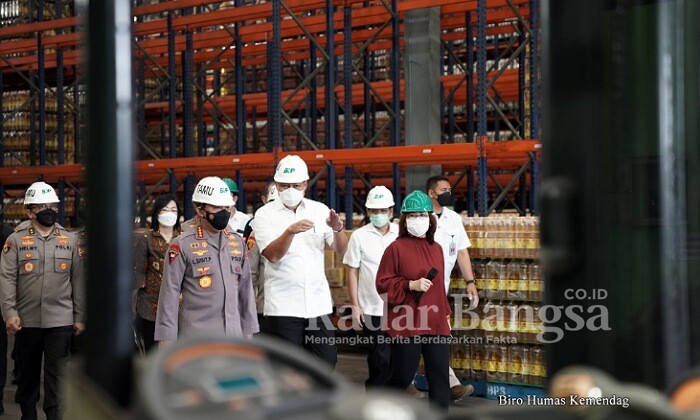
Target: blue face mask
[[379, 220]]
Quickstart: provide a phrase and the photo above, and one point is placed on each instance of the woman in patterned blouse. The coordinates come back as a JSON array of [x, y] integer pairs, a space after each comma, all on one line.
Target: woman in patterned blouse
[[150, 247]]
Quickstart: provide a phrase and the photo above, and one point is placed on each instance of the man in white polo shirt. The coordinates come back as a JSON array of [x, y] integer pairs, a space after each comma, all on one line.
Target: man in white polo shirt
[[291, 233], [365, 250], [453, 239]]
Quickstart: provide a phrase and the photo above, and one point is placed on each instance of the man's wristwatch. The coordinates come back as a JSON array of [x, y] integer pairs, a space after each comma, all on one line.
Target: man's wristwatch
[[472, 281], [342, 226]]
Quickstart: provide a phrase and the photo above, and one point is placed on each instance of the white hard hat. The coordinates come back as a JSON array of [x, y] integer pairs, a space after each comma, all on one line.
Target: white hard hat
[[214, 191], [291, 170], [40, 193], [272, 193], [379, 197]]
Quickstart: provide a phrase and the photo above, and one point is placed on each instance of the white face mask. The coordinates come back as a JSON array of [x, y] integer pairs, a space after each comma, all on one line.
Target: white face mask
[[167, 219], [418, 226], [291, 197]]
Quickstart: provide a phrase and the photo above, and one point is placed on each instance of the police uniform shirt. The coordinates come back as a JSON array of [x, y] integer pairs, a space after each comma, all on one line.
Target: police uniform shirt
[[257, 271], [365, 250], [42, 279], [452, 238], [296, 285], [237, 222], [213, 275]]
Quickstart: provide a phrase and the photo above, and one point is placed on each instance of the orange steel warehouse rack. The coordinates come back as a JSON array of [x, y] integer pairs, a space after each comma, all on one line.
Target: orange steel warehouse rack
[[229, 88]]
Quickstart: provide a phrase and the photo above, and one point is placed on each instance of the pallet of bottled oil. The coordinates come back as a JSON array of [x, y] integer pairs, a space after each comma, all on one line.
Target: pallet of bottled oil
[[495, 344]]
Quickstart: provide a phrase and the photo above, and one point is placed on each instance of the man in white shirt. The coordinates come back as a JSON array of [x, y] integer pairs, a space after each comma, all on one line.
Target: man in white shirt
[[365, 250], [453, 239], [291, 233], [239, 219]]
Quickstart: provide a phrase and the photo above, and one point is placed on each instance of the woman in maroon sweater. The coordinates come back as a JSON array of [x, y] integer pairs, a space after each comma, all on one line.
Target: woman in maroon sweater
[[418, 312]]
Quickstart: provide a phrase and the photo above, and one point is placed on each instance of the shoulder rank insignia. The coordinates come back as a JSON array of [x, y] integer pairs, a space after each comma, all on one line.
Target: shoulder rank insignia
[[200, 232], [173, 252]]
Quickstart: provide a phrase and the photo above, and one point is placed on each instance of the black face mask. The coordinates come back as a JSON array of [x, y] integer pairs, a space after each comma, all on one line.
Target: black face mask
[[445, 199], [220, 220], [47, 217]]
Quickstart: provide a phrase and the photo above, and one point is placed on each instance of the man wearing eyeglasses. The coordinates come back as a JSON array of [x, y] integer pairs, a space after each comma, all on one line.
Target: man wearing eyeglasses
[[42, 297]]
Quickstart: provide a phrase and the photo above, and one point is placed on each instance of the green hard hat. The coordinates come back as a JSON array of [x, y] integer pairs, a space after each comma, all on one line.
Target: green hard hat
[[417, 202], [231, 185]]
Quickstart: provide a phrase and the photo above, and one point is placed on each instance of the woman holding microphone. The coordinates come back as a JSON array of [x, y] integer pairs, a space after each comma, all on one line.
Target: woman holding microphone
[[410, 279]]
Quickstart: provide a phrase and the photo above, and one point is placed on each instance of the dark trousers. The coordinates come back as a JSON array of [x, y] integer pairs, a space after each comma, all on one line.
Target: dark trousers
[[145, 330], [404, 362], [313, 334], [54, 345], [379, 356], [262, 322]]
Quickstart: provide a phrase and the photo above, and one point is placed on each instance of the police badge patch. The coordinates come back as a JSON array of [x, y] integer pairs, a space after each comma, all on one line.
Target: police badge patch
[[250, 243], [6, 248], [173, 252]]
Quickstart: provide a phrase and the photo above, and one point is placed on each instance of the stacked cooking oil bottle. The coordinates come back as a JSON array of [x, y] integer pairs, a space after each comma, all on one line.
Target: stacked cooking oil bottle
[[497, 342], [20, 129]]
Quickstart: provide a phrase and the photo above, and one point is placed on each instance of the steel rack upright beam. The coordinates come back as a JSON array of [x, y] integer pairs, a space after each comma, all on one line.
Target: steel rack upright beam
[[41, 91], [240, 109], [535, 69], [347, 111], [330, 121], [188, 75], [481, 128], [469, 43], [274, 80], [395, 72], [172, 104]]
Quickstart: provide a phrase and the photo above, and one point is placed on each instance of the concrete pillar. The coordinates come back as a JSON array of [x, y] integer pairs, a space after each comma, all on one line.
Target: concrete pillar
[[422, 75]]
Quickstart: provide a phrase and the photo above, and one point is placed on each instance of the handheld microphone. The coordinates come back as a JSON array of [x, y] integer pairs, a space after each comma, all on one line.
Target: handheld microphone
[[430, 276]]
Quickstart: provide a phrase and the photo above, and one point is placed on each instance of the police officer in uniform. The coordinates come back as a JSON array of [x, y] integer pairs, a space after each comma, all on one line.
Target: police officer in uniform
[[42, 291], [207, 264]]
